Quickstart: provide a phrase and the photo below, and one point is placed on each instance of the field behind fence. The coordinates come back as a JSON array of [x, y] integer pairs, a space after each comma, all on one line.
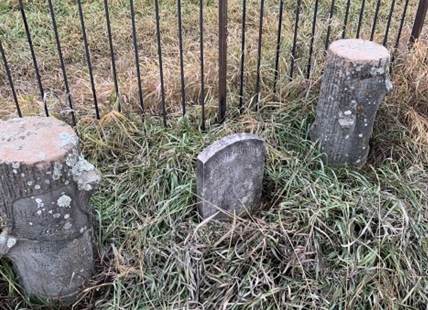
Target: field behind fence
[[85, 59]]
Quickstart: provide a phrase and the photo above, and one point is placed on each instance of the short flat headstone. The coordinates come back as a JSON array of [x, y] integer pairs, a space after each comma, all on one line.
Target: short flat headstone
[[230, 175], [44, 203]]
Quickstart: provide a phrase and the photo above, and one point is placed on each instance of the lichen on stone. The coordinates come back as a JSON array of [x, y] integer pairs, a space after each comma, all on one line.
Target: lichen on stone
[[40, 203], [57, 171], [67, 138], [67, 225], [82, 171], [11, 242], [64, 201], [41, 156]]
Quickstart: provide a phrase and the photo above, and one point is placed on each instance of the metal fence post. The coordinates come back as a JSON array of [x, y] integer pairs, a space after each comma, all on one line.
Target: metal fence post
[[419, 21], [222, 33]]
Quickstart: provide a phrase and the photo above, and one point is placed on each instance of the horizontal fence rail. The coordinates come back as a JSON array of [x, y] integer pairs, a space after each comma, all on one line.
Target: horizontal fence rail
[[162, 57]]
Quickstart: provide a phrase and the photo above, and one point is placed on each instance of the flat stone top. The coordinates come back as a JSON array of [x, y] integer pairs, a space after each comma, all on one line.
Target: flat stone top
[[30, 140], [219, 145], [358, 49]]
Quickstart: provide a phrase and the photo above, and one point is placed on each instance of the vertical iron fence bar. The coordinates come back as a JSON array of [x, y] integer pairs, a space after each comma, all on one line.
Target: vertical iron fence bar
[[293, 49], [241, 85], [345, 22], [278, 45], [61, 60], [9, 77], [137, 62], [201, 40], [419, 20], [88, 58], [360, 18], [259, 53], [388, 24], [403, 17], [180, 42], [222, 34], [33, 56], [375, 20], [160, 61], [330, 17], [113, 64], [311, 45]]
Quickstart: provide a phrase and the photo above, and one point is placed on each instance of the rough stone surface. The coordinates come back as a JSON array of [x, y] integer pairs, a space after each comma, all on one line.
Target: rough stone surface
[[230, 174], [355, 81], [44, 203]]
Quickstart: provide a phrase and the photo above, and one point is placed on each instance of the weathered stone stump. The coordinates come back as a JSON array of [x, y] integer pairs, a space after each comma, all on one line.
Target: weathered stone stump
[[230, 175], [355, 81], [44, 203]]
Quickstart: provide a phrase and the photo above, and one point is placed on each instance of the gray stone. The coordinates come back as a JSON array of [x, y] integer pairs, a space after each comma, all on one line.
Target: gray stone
[[44, 203], [355, 81], [230, 174]]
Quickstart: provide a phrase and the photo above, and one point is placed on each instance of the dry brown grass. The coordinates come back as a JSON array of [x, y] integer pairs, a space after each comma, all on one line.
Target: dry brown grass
[[13, 37]]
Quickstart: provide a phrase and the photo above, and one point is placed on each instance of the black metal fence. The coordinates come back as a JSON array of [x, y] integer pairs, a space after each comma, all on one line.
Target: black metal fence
[[313, 26]]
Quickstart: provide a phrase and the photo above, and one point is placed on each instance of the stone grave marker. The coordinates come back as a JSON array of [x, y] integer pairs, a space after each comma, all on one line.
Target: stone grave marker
[[44, 203], [230, 174], [354, 83]]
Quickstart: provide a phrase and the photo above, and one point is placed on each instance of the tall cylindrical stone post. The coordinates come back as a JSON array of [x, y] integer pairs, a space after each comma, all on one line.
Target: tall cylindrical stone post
[[355, 81], [44, 203]]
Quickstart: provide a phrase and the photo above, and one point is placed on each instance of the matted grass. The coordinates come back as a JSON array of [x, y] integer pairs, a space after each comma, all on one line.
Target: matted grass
[[322, 239]]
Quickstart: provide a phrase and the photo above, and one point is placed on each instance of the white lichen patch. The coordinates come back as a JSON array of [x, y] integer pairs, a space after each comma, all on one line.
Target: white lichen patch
[[360, 135], [37, 186], [71, 159], [56, 215], [67, 225], [57, 171], [15, 171], [15, 165], [67, 216], [40, 203], [47, 181], [346, 122], [6, 137], [30, 223], [39, 212], [67, 139], [82, 171], [377, 71], [82, 229], [29, 183], [388, 85], [3, 238], [11, 242], [64, 201], [22, 175]]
